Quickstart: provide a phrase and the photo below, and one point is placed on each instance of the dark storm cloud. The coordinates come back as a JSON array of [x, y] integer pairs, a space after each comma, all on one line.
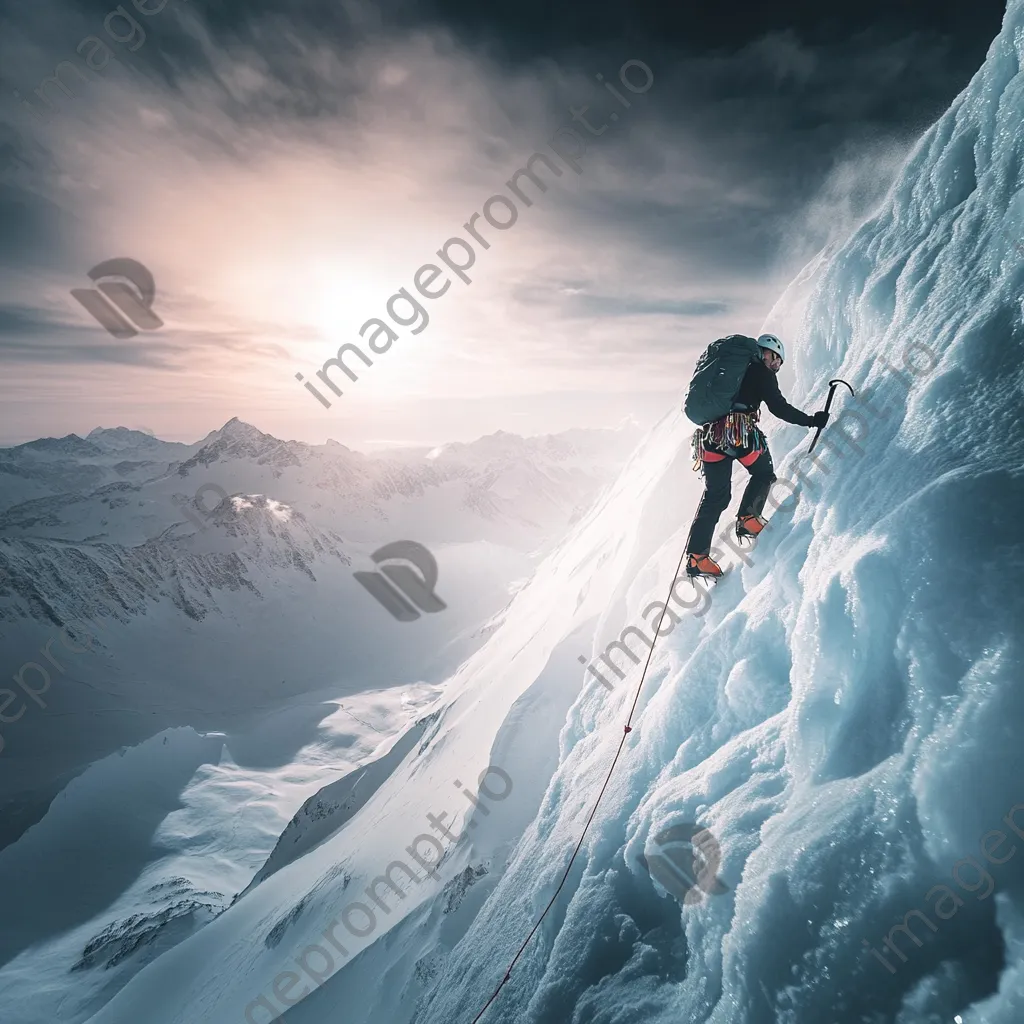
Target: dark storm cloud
[[524, 29], [768, 95], [766, 92], [769, 121]]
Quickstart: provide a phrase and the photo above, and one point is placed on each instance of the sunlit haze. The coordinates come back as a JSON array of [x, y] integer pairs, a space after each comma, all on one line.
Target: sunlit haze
[[283, 173]]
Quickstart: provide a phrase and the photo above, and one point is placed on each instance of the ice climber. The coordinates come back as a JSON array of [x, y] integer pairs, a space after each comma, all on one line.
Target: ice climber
[[735, 436]]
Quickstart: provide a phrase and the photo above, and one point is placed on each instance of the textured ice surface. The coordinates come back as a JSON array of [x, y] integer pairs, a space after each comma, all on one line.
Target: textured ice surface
[[847, 716]]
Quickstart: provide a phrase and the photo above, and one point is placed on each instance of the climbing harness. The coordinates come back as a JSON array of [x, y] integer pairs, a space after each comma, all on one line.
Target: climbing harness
[[729, 434], [628, 728]]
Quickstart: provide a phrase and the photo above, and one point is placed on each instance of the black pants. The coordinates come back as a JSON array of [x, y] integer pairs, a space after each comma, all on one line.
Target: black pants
[[718, 491]]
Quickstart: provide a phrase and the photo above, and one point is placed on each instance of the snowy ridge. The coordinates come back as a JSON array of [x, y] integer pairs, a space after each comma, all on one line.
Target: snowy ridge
[[331, 807], [525, 706], [178, 905]]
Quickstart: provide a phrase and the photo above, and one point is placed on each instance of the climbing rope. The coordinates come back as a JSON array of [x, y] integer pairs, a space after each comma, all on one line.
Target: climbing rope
[[628, 728]]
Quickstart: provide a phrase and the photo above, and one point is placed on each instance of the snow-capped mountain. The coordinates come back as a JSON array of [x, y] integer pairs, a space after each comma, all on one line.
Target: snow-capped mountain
[[71, 464], [246, 546], [123, 486], [843, 713]]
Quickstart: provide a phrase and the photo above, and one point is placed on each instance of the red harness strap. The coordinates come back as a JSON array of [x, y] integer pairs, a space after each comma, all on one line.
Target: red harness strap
[[747, 460]]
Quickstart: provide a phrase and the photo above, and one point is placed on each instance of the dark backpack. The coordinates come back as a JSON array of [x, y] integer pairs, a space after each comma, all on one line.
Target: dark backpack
[[718, 376]]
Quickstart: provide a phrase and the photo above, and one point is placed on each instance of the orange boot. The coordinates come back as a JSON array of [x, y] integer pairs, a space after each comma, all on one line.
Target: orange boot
[[703, 565], [749, 526]]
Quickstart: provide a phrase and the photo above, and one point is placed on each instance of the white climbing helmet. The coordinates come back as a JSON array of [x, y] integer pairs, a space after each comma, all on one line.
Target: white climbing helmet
[[772, 343]]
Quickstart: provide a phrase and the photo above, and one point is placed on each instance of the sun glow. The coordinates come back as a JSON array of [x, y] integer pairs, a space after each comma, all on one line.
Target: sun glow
[[339, 300]]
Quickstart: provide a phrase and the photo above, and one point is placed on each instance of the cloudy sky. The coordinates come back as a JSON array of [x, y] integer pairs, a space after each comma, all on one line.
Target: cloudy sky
[[284, 168]]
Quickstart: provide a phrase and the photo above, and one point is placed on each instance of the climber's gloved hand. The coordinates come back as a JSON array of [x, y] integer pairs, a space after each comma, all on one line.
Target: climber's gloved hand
[[820, 419]]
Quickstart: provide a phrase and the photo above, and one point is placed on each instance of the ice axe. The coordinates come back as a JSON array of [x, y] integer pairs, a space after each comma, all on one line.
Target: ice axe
[[832, 385]]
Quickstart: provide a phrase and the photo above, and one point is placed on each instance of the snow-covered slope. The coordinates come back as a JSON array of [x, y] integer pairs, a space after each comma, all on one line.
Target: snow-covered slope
[[150, 843], [843, 712], [215, 581]]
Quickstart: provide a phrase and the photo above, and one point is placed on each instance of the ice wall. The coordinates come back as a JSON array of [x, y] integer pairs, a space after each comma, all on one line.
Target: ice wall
[[847, 718]]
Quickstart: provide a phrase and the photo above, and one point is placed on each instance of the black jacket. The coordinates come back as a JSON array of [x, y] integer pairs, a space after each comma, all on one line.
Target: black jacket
[[762, 385]]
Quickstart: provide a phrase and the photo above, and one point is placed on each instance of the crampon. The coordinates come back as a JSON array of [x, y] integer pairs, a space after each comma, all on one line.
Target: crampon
[[749, 526], [703, 567]]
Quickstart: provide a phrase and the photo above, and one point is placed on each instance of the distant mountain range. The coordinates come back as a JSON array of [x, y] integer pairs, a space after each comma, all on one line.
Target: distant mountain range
[[121, 485], [214, 580]]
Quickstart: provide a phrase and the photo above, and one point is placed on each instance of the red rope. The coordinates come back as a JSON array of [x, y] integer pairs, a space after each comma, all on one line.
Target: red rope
[[627, 729]]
